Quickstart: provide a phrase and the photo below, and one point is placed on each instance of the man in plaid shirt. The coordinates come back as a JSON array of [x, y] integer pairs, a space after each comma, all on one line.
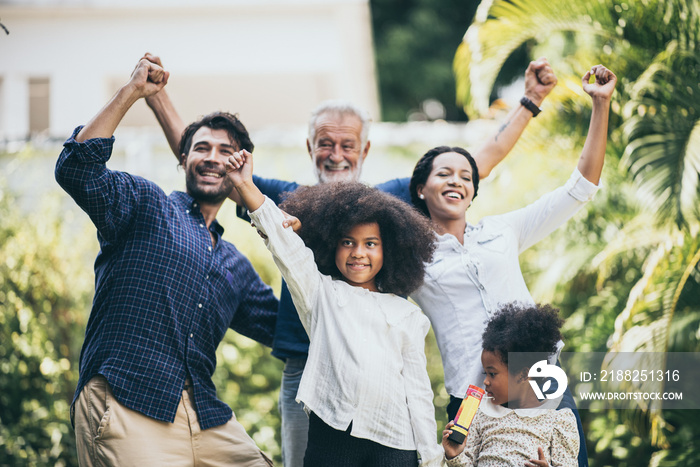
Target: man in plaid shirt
[[167, 289]]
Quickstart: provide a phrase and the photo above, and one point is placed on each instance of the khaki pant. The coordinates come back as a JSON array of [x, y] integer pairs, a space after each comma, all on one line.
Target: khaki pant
[[109, 434]]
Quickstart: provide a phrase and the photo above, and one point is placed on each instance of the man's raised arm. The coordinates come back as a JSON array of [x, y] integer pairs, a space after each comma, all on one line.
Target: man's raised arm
[[539, 81], [146, 79]]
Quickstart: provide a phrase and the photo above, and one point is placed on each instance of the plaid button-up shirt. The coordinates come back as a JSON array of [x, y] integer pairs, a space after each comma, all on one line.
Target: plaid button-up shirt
[[164, 295]]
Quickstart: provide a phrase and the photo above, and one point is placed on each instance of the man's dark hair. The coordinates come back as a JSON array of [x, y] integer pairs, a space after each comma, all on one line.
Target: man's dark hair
[[532, 330], [328, 211], [425, 165], [217, 121]]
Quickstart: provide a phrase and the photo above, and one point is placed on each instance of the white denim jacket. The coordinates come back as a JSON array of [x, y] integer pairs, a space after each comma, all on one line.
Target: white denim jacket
[[464, 284]]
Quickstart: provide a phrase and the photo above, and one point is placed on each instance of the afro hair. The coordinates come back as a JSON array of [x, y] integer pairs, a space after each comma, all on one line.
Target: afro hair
[[328, 211], [530, 330]]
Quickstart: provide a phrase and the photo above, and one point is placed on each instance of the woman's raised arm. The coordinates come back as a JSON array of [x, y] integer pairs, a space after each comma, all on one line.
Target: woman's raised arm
[[590, 163]]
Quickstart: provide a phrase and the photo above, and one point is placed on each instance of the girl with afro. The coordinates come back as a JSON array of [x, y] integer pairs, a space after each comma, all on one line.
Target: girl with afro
[[513, 427], [358, 251]]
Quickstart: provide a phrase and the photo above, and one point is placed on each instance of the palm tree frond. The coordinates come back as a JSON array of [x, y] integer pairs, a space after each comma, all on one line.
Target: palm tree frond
[[500, 27], [646, 328], [663, 135], [655, 297]]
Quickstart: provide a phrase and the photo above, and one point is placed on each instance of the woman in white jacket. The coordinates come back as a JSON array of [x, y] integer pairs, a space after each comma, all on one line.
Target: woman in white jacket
[[475, 266]]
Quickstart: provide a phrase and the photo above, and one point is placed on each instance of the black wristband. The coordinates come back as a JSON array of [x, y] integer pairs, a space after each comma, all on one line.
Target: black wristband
[[529, 105]]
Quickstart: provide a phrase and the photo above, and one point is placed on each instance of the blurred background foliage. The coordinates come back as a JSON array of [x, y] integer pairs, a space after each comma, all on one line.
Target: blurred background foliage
[[414, 45], [45, 291], [414, 42], [624, 271]]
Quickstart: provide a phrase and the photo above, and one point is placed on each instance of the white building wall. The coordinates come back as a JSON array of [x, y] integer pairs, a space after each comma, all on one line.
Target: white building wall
[[14, 103], [272, 61]]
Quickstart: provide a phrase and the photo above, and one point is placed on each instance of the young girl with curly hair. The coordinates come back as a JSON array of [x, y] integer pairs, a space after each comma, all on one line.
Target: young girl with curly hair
[[365, 384], [512, 427]]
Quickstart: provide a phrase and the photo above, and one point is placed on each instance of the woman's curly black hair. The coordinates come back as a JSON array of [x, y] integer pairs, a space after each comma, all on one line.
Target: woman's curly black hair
[[532, 330], [425, 165], [328, 211]]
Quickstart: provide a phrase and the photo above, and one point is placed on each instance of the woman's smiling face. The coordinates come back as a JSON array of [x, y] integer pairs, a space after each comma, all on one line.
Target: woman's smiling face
[[449, 189]]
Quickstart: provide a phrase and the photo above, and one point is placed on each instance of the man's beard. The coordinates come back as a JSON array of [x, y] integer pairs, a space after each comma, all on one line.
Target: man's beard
[[328, 176], [207, 194]]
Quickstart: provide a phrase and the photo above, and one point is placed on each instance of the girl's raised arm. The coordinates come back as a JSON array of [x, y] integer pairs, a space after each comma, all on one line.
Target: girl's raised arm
[[240, 170]]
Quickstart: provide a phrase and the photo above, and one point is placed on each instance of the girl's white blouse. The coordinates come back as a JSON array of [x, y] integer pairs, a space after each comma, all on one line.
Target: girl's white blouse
[[366, 361]]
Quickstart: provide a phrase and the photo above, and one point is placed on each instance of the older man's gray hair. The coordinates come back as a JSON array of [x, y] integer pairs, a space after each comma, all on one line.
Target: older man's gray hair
[[340, 108]]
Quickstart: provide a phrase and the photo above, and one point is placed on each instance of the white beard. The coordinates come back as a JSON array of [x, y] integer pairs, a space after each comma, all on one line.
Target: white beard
[[325, 176]]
